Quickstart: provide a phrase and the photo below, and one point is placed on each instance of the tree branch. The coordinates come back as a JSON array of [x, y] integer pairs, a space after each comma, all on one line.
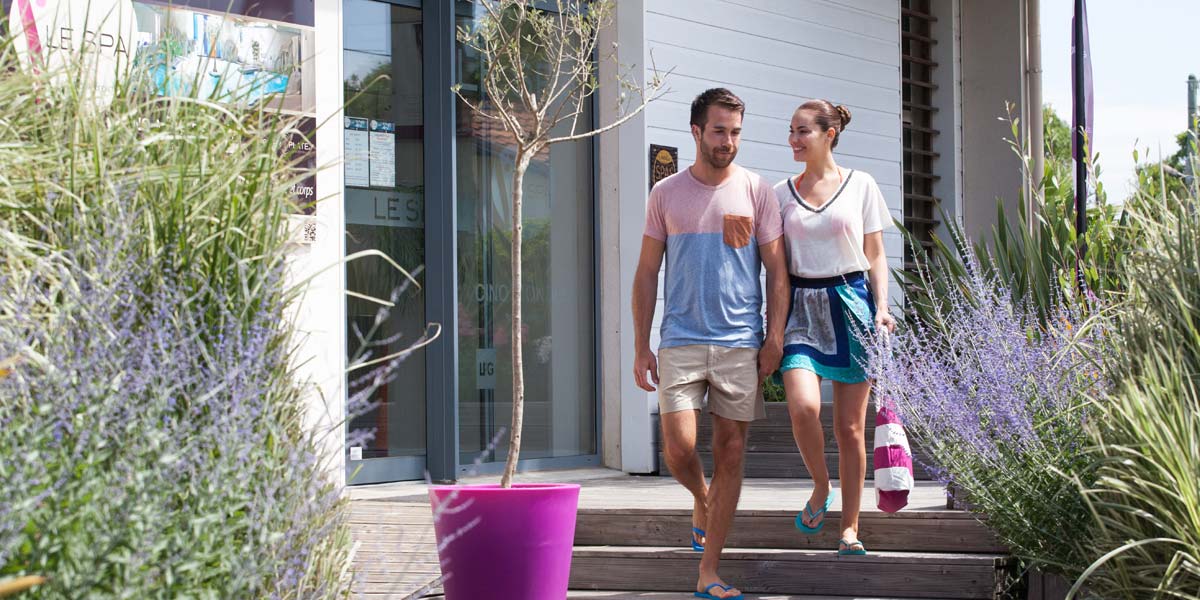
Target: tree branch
[[613, 125]]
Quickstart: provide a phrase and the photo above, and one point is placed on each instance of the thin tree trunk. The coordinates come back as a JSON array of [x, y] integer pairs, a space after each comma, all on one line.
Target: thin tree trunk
[[518, 363]]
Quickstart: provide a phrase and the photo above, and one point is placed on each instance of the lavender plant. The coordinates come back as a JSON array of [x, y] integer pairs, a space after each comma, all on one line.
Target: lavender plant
[[158, 456], [996, 400], [152, 440]]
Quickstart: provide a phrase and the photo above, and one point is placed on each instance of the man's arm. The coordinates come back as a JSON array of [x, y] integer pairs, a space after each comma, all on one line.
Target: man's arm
[[778, 292], [645, 297]]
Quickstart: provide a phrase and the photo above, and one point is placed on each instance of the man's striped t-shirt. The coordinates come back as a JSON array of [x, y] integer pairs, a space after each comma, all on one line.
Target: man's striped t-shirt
[[712, 233]]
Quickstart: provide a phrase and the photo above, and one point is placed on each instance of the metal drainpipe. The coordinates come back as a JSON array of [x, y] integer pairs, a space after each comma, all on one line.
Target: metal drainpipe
[[1192, 127], [1033, 75]]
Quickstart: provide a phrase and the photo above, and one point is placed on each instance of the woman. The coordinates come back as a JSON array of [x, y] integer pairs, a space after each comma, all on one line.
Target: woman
[[833, 221]]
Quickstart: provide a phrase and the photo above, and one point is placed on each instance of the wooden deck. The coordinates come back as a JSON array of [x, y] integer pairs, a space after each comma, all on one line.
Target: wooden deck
[[396, 552]]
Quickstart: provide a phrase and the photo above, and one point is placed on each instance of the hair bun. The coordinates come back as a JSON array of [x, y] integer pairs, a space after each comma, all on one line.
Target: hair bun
[[844, 113]]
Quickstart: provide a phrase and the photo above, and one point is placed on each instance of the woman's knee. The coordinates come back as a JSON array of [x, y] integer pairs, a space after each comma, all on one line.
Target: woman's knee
[[804, 410], [850, 432]]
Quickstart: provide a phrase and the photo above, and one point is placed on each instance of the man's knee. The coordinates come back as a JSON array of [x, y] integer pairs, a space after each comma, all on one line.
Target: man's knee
[[679, 452], [729, 443], [679, 436]]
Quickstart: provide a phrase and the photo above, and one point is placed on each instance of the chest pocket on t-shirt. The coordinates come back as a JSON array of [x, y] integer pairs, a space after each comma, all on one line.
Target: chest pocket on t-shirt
[[738, 230]]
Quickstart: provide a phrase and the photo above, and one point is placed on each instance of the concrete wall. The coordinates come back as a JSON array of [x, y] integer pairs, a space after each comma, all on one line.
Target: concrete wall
[[993, 73], [320, 316]]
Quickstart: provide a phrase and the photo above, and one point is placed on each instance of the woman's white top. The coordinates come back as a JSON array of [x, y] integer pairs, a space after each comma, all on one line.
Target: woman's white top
[[827, 241]]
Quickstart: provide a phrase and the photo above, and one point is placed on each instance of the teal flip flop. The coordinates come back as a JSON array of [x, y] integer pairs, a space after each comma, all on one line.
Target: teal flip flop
[[808, 511], [710, 586], [697, 546], [850, 551]]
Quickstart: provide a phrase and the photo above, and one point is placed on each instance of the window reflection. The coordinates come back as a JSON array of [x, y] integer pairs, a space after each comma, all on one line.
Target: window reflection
[[384, 205], [560, 415]]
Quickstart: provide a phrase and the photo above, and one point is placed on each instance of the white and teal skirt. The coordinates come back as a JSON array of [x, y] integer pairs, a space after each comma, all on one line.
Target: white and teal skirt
[[826, 319]]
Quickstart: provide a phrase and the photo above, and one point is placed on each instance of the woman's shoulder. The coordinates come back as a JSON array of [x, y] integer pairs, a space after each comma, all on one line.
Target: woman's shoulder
[[859, 174], [783, 192], [783, 186], [862, 178]]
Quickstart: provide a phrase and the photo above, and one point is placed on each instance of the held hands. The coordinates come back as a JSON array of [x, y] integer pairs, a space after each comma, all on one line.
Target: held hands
[[768, 358], [645, 361], [884, 321]]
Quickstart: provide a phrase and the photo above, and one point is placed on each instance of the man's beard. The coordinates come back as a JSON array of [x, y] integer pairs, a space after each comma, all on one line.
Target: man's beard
[[715, 160]]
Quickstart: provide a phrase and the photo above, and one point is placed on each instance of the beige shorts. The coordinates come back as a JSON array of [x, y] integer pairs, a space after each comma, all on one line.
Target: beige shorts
[[728, 375]]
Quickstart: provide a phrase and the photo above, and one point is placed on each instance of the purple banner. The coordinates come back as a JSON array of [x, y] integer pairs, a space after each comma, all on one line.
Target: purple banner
[[1083, 86]]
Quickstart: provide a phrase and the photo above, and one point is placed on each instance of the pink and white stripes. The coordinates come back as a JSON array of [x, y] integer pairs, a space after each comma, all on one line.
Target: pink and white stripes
[[893, 461]]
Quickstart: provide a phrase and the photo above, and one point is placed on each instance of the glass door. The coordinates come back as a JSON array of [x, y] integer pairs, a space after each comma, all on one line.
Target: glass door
[[384, 210], [558, 288]]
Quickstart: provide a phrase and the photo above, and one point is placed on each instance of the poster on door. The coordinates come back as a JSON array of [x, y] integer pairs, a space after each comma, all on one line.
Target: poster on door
[[358, 153], [485, 362], [382, 141]]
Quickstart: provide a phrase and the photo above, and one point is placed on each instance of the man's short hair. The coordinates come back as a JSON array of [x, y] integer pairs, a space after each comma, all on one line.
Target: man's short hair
[[711, 96]]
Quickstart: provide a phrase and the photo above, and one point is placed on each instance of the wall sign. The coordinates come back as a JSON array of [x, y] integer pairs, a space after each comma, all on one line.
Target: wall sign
[[485, 362], [398, 207], [300, 148], [225, 58], [48, 34], [664, 162]]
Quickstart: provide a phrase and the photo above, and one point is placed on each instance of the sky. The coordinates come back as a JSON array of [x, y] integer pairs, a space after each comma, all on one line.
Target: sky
[[1140, 68]]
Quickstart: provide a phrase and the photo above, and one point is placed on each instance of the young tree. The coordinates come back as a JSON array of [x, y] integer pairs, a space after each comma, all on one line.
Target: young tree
[[539, 70]]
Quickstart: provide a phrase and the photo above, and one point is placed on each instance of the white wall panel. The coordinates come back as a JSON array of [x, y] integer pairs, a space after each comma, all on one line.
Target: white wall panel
[[775, 54], [853, 17]]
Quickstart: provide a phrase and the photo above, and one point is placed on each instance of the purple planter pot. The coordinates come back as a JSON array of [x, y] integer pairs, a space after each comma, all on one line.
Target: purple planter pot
[[505, 543]]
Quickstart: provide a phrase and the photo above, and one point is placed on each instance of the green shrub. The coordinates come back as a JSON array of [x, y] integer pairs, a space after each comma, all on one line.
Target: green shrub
[[1036, 265], [1146, 501], [151, 426]]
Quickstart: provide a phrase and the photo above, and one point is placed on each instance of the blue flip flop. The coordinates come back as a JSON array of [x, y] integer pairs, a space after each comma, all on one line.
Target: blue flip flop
[[710, 586], [850, 551], [814, 514], [697, 546]]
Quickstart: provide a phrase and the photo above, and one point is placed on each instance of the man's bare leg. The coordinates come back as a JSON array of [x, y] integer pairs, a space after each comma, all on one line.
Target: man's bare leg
[[679, 448], [729, 451]]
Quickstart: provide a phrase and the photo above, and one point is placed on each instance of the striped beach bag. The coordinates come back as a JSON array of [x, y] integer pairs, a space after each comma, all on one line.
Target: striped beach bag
[[893, 460]]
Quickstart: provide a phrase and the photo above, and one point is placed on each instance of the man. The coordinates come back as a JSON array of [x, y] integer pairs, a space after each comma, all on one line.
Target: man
[[715, 222]]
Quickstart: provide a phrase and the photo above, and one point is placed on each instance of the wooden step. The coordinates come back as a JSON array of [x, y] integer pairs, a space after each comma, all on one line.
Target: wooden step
[[774, 435], [804, 572], [907, 530], [775, 431], [789, 465], [778, 418], [644, 595], [775, 439]]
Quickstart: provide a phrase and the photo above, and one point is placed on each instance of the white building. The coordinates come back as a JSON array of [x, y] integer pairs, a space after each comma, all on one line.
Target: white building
[[927, 81]]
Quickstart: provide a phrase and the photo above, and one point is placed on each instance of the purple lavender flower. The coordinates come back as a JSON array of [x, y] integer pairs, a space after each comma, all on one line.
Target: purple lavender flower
[[988, 378], [139, 420]]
